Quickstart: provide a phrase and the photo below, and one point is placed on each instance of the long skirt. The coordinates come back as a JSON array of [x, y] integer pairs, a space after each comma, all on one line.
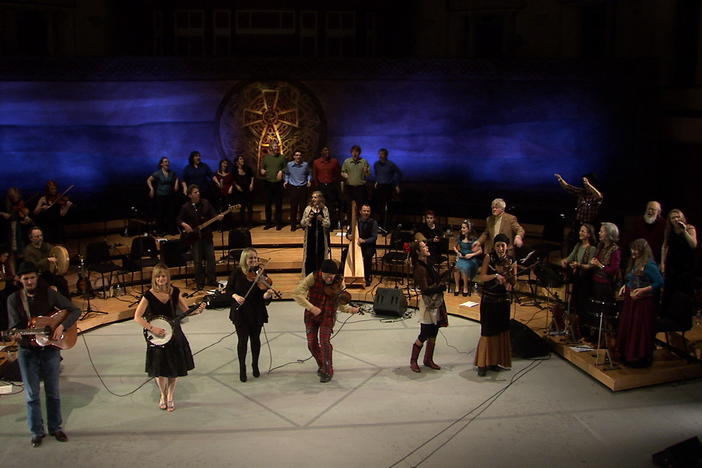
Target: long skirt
[[636, 331]]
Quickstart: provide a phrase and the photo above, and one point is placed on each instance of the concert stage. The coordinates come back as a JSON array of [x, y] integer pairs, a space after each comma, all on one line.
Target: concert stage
[[284, 248]]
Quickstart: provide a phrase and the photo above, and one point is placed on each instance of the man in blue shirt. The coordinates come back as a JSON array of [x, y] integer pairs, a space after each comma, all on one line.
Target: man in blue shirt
[[387, 183], [298, 177]]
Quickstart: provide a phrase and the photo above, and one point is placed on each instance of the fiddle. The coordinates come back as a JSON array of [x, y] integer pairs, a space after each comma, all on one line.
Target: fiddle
[[19, 208], [335, 290], [59, 199], [262, 280]]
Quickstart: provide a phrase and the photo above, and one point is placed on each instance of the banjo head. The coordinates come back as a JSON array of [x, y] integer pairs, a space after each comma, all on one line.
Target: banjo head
[[159, 322]]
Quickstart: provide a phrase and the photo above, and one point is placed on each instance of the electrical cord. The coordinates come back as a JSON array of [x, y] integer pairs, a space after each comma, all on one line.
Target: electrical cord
[[92, 363], [485, 404]]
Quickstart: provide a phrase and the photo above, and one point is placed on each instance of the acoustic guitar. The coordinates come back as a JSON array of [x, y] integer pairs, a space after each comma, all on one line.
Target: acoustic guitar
[[40, 330], [189, 238]]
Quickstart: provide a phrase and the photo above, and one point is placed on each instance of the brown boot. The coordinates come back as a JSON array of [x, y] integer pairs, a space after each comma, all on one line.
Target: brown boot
[[413, 359], [429, 355]]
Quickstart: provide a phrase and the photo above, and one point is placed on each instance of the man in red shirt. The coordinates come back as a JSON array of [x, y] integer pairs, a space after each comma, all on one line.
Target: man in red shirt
[[326, 173]]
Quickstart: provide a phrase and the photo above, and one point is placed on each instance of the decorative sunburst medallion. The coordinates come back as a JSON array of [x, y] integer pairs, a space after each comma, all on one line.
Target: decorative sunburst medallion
[[255, 114]]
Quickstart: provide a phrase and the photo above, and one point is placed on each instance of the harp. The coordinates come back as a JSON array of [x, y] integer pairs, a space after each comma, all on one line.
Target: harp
[[353, 268]]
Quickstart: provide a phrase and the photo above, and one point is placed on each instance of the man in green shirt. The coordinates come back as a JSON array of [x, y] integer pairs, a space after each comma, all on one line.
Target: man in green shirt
[[272, 171], [39, 253], [354, 172]]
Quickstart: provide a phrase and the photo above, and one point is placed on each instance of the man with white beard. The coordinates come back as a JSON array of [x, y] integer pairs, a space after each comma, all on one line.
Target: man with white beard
[[651, 227]]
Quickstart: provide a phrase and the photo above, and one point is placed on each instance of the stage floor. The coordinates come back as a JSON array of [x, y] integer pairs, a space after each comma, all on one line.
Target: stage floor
[[374, 412]]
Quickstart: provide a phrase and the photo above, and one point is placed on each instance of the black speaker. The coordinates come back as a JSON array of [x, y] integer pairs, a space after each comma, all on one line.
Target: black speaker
[[685, 454], [389, 301], [172, 253], [526, 343]]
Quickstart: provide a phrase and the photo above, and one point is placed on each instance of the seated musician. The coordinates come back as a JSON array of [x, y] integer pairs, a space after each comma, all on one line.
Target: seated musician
[[319, 293], [39, 253], [367, 236], [430, 233], [7, 283], [37, 363]]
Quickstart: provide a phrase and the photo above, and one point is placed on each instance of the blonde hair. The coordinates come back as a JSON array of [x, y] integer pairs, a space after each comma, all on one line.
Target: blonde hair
[[243, 264], [158, 270]]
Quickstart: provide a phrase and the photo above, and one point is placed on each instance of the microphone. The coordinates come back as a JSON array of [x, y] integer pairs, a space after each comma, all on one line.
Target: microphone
[[382, 230]]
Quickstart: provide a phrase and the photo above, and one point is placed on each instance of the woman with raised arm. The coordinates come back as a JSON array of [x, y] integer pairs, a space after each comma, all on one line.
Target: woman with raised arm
[[678, 256]]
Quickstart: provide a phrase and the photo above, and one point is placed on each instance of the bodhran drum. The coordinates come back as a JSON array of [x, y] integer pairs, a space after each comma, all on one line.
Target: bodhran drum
[[60, 267]]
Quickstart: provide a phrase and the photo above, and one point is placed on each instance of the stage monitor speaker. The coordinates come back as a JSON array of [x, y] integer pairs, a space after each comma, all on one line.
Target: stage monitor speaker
[[526, 343], [685, 454], [389, 301], [172, 253]]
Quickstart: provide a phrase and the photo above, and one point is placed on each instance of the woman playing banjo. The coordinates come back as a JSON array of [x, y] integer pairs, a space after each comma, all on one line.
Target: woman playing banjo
[[174, 359]]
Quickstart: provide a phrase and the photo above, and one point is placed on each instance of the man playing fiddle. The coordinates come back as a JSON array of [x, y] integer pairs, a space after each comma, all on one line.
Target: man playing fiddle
[[319, 293], [39, 253]]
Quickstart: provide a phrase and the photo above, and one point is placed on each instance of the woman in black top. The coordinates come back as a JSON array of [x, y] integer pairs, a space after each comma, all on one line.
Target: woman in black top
[[248, 313], [243, 189], [498, 275], [678, 256], [174, 359]]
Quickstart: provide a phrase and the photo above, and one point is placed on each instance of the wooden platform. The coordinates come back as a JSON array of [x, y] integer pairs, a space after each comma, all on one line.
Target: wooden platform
[[667, 366]]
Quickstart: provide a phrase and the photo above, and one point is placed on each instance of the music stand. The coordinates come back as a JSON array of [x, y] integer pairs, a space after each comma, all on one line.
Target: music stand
[[89, 308], [603, 306]]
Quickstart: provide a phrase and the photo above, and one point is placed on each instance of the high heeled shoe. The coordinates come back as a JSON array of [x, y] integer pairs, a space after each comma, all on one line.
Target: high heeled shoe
[[170, 405], [162, 404]]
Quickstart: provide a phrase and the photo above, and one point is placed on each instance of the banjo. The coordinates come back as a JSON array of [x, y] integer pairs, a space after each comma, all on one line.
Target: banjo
[[168, 324]]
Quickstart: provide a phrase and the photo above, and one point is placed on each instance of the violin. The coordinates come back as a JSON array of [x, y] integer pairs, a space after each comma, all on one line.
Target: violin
[[263, 281], [335, 290], [59, 199], [20, 209]]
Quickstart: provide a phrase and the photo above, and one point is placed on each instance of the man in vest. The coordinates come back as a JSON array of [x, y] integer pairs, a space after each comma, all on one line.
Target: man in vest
[[320, 313]]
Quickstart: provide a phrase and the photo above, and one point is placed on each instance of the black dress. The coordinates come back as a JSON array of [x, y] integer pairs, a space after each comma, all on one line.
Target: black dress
[[174, 359]]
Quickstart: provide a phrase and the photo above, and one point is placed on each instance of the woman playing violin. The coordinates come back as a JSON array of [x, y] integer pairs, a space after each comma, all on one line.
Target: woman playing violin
[[17, 214], [51, 208], [498, 276], [251, 292]]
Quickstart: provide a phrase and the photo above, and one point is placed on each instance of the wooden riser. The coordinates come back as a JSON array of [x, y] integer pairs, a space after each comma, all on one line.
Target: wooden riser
[[667, 366]]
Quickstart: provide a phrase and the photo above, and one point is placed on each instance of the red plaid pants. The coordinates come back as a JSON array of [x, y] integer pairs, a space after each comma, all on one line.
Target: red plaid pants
[[319, 330]]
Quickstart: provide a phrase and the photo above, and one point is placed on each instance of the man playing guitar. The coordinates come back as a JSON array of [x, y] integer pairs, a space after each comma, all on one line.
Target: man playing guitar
[[37, 363], [192, 214]]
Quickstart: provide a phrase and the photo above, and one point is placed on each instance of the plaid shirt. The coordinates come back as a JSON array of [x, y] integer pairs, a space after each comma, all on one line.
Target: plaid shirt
[[310, 292], [587, 206]]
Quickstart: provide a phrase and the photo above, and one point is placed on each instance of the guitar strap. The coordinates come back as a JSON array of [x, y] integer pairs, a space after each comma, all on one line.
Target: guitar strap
[[24, 305]]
